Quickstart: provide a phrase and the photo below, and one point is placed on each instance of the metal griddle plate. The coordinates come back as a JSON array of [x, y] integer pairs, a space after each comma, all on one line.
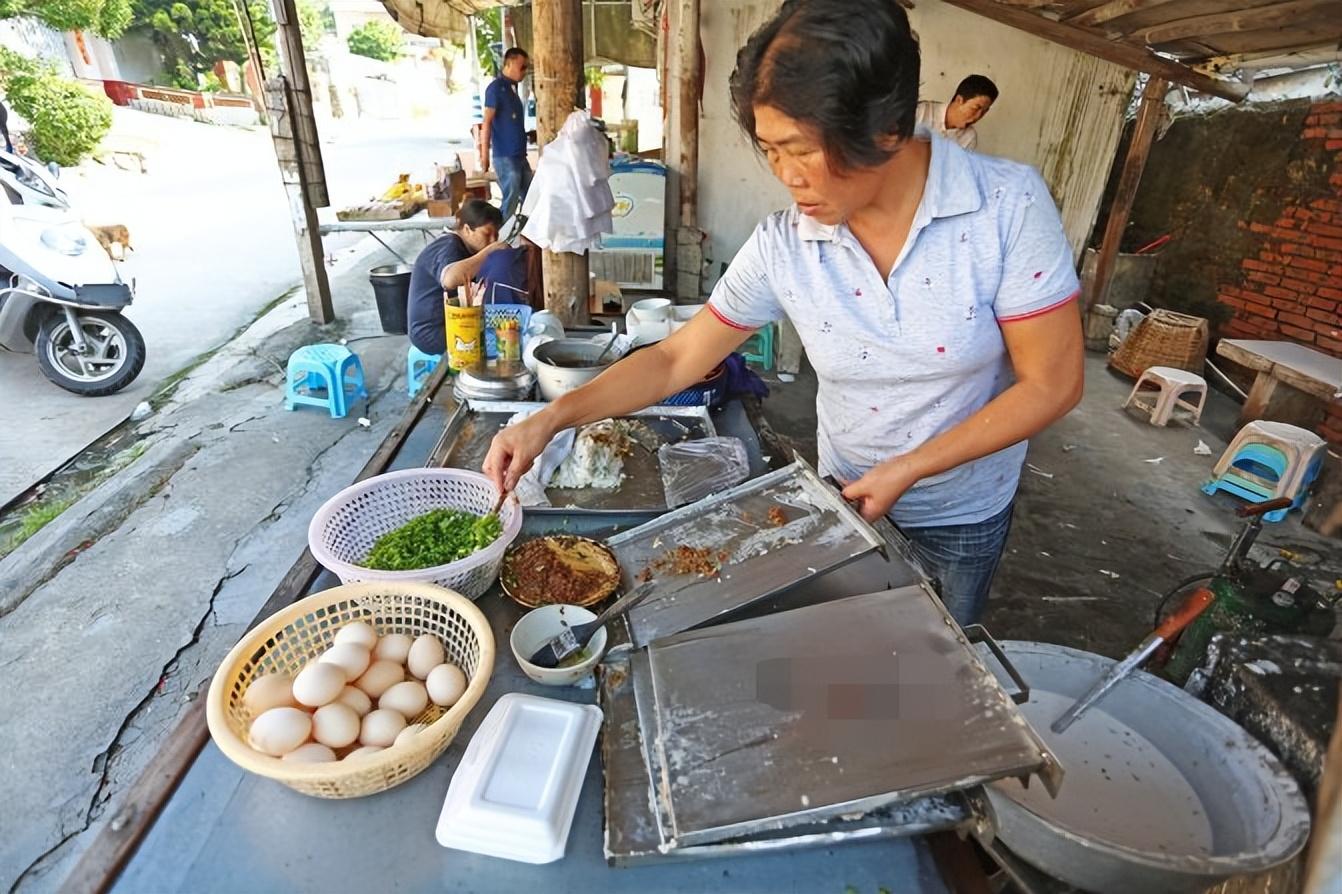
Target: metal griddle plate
[[823, 711], [632, 836], [820, 532], [480, 421]]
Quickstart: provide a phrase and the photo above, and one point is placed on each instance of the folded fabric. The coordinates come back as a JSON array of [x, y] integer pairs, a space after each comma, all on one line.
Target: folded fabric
[[530, 491]]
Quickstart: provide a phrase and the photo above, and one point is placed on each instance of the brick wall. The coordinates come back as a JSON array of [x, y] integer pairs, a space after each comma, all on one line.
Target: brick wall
[[1289, 283]]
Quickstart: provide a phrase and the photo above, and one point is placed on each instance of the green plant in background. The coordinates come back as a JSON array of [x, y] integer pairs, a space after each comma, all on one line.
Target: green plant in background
[[489, 40], [66, 120], [376, 40], [107, 18], [193, 35]]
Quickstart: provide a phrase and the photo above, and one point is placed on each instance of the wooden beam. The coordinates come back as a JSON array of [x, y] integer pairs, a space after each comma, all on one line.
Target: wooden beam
[[1108, 11], [1277, 40], [1139, 149], [1125, 54], [558, 53], [1254, 19], [686, 86]]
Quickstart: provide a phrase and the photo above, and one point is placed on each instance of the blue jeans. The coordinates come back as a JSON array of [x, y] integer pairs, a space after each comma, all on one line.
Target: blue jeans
[[963, 558], [514, 180]]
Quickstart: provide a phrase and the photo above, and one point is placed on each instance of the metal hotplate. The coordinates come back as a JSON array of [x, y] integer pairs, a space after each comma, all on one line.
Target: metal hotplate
[[826, 711]]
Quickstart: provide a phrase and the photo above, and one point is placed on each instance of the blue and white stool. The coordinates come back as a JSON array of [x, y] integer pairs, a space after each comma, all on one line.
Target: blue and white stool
[[1268, 460]]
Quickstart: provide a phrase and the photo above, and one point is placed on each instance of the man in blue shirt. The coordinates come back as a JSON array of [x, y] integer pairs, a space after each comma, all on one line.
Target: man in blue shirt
[[504, 135]]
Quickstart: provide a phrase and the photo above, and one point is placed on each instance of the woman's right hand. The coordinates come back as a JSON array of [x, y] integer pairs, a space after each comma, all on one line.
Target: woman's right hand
[[515, 449]]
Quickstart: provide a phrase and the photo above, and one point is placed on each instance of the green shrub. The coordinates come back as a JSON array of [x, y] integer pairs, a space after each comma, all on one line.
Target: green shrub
[[376, 40], [66, 120]]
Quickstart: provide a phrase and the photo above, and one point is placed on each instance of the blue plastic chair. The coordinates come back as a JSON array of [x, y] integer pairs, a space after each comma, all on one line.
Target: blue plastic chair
[[418, 366], [759, 348], [333, 370], [1253, 475]]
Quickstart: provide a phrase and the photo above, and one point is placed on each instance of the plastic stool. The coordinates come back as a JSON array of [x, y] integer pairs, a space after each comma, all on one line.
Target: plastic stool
[[418, 365], [1301, 447], [1173, 384], [329, 368], [759, 348]]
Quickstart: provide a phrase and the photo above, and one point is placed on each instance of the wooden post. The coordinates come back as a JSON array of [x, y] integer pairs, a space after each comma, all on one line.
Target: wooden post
[[685, 78], [1143, 134], [293, 128], [558, 79]]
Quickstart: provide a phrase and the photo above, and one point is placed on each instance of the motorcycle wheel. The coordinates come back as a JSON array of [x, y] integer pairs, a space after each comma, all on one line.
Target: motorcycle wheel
[[115, 356]]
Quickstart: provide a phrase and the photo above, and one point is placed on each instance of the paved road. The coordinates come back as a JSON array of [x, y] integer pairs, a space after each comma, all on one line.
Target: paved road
[[210, 225]]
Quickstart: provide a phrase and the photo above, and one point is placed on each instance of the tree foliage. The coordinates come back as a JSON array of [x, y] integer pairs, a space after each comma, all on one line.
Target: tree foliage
[[66, 120], [107, 18], [376, 40]]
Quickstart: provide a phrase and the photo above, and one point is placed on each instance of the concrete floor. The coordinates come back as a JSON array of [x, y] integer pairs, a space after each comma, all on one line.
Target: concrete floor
[[1095, 502]]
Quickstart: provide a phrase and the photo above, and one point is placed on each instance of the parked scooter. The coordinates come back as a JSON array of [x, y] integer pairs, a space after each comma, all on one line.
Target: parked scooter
[[61, 295]]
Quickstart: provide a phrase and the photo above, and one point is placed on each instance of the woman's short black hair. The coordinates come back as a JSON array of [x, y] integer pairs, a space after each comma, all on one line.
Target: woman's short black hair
[[848, 68], [477, 212], [975, 86]]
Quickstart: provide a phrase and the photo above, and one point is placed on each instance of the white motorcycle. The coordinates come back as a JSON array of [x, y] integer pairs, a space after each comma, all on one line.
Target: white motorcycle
[[61, 295]]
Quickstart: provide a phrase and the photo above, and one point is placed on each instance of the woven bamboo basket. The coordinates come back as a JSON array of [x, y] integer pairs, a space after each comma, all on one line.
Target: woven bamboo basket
[[290, 638], [1163, 338]]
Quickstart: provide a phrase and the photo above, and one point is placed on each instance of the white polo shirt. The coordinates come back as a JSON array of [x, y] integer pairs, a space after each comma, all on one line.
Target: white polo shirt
[[932, 116], [902, 359]]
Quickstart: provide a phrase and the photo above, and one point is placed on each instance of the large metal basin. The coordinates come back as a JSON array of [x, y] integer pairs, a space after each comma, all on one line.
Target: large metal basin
[[1161, 792]]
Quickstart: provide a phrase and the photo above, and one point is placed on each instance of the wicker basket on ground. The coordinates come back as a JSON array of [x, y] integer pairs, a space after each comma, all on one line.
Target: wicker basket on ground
[[1163, 338]]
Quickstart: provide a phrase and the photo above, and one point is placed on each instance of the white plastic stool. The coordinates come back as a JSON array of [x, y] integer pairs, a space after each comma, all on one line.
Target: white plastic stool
[[1173, 384], [1301, 447]]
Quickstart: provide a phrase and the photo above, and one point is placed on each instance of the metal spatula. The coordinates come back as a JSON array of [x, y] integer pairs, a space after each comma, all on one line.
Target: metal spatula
[[575, 639]]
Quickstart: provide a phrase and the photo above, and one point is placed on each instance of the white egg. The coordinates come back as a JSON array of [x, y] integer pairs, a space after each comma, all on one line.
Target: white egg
[[353, 660], [269, 691], [410, 698], [365, 751], [381, 727], [380, 676], [318, 684], [355, 698], [335, 725], [393, 647], [426, 653], [446, 684], [279, 731], [410, 732], [311, 753], [357, 634]]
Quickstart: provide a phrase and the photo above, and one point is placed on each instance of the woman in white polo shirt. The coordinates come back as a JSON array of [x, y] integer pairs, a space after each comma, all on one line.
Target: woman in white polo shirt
[[932, 287]]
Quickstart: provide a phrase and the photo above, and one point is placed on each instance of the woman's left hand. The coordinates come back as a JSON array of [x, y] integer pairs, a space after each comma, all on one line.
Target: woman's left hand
[[875, 492]]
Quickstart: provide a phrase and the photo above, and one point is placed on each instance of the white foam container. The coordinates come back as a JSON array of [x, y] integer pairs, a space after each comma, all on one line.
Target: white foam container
[[516, 789]]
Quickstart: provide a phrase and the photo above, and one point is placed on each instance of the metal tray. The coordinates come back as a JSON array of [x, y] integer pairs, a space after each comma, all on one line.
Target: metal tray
[[825, 711], [632, 835], [820, 533], [472, 427]]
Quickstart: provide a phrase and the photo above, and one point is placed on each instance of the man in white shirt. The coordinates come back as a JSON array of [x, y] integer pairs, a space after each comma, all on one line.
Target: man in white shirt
[[955, 120]]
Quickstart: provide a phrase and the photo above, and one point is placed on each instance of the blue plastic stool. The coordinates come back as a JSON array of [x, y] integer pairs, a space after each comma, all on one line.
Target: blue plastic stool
[[418, 366], [1254, 474], [328, 368], [759, 348]]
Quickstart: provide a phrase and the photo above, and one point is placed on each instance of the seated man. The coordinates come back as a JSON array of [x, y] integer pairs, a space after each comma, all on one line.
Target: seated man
[[955, 120], [444, 265]]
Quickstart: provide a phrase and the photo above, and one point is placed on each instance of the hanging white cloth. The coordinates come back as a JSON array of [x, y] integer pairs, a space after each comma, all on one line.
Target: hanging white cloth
[[569, 203]]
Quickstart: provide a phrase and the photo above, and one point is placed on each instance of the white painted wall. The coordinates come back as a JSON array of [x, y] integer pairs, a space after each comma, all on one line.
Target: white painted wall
[[1060, 111]]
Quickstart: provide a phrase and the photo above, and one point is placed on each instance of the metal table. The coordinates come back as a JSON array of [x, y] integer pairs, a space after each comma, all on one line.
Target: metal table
[[420, 222], [225, 830]]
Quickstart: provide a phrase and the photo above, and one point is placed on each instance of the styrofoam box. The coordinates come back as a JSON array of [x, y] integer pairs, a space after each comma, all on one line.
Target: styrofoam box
[[516, 789]]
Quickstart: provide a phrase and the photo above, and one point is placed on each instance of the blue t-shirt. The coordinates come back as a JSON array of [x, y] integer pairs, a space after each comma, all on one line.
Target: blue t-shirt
[[424, 314], [508, 135]]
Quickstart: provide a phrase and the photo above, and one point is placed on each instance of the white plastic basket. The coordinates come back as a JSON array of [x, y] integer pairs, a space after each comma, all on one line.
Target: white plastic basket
[[346, 526]]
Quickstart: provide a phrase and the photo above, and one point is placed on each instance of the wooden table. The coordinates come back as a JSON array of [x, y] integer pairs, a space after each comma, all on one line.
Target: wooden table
[[1293, 383]]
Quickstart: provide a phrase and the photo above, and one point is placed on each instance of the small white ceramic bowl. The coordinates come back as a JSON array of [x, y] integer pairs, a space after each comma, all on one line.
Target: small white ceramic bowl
[[538, 627]]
